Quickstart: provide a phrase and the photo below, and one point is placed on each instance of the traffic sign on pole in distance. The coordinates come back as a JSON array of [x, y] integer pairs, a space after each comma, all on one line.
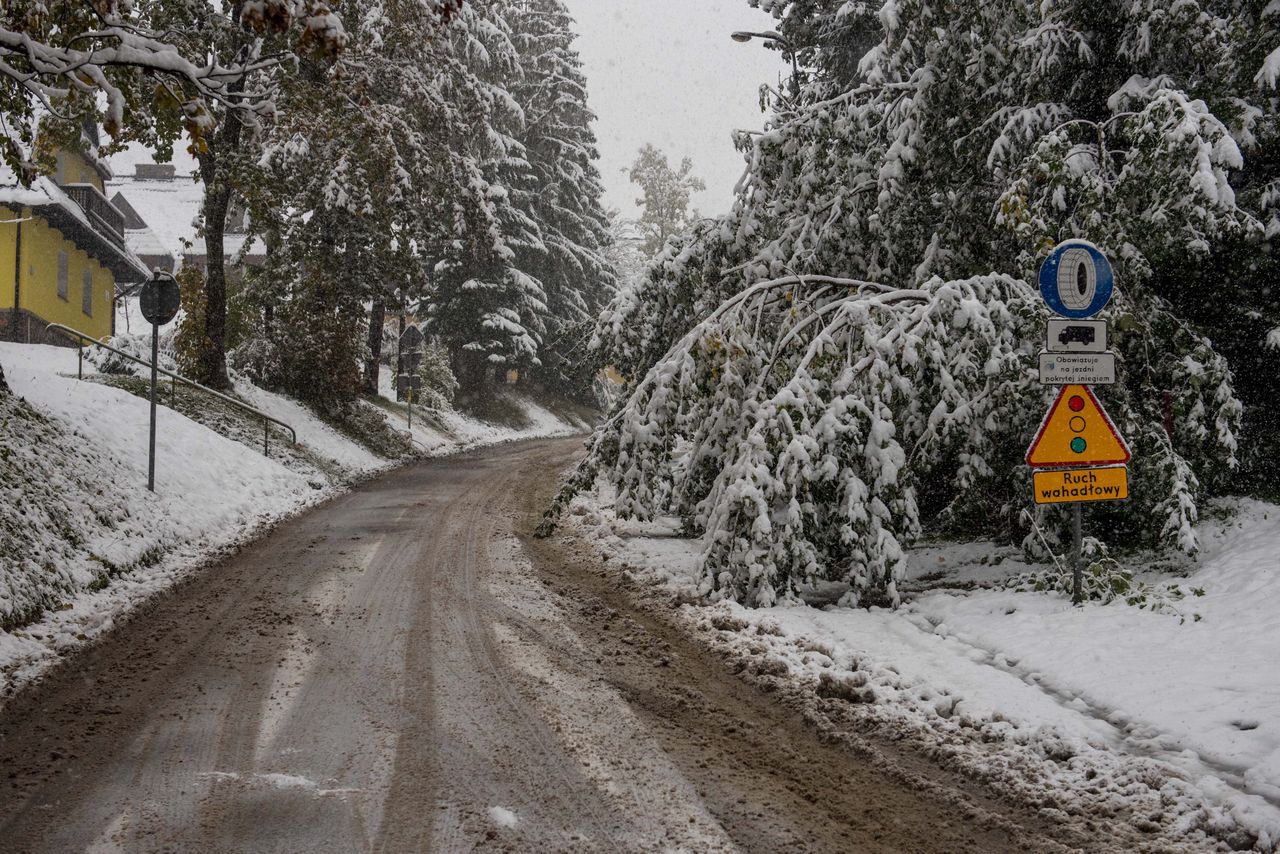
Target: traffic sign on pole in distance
[[1076, 280], [1076, 432]]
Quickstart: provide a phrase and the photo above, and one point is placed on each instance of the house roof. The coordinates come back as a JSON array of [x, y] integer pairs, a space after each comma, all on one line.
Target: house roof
[[139, 237], [62, 213], [171, 210]]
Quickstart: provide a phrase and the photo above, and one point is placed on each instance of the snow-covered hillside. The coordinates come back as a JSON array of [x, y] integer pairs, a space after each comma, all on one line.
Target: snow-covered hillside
[[1169, 719], [82, 541]]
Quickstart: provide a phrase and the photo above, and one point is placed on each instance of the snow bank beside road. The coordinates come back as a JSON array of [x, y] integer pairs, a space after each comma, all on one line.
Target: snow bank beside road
[[446, 431], [1172, 725], [1203, 694], [81, 538]]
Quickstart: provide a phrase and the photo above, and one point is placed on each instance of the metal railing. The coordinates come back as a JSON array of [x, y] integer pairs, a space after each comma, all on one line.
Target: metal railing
[[80, 338]]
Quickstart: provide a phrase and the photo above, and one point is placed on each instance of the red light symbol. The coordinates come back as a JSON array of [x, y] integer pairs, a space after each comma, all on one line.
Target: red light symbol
[[1076, 403]]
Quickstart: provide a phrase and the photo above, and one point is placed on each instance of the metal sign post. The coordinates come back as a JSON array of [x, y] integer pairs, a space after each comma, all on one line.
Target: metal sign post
[[159, 301], [1077, 454], [151, 439], [406, 385]]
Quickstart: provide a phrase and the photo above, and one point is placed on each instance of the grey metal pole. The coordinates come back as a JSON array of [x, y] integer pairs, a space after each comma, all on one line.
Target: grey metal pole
[[1077, 594], [151, 443], [410, 407], [266, 437], [79, 361]]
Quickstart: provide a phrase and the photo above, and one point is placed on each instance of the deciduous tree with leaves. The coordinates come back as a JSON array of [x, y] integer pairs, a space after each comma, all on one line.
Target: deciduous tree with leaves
[[846, 358], [664, 197]]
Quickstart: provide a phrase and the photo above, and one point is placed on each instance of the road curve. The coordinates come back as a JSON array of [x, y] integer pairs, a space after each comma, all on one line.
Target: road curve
[[399, 670]]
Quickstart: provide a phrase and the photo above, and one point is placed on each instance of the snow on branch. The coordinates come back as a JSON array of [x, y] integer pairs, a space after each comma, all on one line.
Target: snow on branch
[[800, 427], [86, 51], [791, 425]]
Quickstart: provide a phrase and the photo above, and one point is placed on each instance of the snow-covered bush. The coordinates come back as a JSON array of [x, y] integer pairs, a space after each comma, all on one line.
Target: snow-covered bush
[[256, 358], [108, 362], [439, 385], [138, 346], [846, 357]]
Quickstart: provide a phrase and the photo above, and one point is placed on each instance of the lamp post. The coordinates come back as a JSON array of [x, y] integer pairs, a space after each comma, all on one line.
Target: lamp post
[[774, 41]]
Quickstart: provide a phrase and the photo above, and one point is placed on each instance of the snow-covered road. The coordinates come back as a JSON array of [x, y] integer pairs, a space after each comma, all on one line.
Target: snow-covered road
[[398, 670]]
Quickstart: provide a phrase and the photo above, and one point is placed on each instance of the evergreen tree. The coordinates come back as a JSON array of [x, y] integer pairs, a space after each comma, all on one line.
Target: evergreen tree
[[359, 194], [560, 148], [486, 306]]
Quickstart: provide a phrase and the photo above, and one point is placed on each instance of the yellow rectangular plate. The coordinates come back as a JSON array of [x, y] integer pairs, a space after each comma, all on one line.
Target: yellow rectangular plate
[[1065, 486]]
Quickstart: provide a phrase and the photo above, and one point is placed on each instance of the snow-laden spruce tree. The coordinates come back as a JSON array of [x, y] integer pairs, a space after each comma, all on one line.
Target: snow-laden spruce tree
[[847, 357], [561, 151], [487, 307]]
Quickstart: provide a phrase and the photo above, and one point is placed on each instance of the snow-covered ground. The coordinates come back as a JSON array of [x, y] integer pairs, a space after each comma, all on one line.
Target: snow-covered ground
[[1168, 720], [77, 512], [446, 431]]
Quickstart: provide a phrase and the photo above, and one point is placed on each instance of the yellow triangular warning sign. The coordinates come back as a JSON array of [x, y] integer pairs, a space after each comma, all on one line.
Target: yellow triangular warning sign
[[1076, 432]]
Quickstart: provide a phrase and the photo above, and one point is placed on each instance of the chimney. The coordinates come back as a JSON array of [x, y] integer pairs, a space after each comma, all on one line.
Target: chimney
[[154, 172]]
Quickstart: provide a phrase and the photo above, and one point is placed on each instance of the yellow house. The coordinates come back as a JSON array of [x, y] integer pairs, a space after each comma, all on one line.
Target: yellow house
[[62, 250]]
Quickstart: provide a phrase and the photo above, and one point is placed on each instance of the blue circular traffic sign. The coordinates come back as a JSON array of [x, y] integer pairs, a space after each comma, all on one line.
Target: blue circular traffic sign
[[1076, 279]]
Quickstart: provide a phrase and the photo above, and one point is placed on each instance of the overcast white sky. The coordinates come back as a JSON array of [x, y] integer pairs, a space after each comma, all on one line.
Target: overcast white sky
[[666, 72]]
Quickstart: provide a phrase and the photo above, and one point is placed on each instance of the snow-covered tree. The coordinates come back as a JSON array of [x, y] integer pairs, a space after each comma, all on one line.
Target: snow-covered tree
[[623, 249], [451, 176], [227, 160], [358, 193], [665, 194], [561, 151], [846, 357], [486, 307], [143, 71]]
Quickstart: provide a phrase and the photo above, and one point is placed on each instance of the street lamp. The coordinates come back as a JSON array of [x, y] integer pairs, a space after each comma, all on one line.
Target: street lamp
[[774, 41]]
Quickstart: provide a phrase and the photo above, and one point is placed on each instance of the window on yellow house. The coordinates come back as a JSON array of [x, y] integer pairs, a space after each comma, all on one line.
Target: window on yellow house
[[86, 296], [62, 275]]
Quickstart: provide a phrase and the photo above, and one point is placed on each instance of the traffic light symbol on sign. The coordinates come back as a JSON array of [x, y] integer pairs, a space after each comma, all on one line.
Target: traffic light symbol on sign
[[1076, 432]]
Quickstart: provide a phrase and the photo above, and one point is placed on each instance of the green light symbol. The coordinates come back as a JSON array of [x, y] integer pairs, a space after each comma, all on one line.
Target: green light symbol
[[1078, 444]]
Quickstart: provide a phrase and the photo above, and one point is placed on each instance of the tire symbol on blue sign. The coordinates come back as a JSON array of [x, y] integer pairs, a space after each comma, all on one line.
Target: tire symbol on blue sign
[[1076, 280]]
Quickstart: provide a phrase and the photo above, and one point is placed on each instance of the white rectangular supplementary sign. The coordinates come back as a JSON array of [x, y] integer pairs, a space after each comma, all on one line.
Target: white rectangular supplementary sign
[[1076, 336], [1082, 368]]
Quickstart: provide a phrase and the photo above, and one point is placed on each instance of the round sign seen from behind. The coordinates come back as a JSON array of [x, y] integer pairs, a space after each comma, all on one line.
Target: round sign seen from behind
[[159, 300], [1076, 279]]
